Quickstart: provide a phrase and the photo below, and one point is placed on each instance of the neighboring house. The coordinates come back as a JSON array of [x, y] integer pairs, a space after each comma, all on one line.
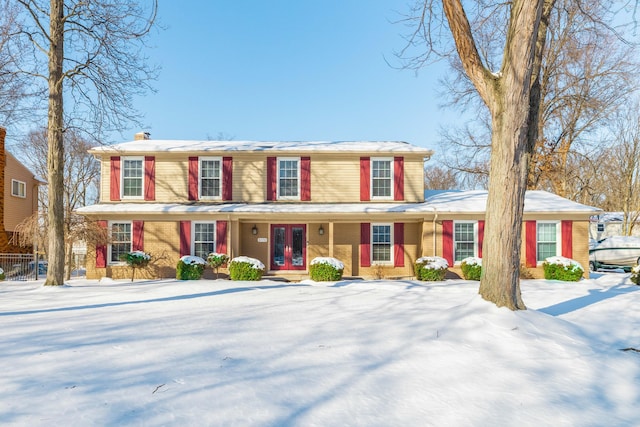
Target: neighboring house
[[20, 199], [608, 224], [285, 203]]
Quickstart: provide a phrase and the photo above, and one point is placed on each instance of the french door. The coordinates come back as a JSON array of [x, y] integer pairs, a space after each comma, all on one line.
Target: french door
[[288, 248]]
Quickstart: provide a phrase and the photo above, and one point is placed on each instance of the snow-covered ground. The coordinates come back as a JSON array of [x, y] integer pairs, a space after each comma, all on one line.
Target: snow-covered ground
[[379, 353]]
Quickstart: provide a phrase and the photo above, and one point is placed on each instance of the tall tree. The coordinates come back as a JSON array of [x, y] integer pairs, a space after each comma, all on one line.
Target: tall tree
[[510, 88], [94, 61]]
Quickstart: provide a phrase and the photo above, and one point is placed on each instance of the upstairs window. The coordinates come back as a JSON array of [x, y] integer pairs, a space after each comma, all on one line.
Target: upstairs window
[[18, 188], [210, 177], [381, 178], [132, 177], [289, 178]]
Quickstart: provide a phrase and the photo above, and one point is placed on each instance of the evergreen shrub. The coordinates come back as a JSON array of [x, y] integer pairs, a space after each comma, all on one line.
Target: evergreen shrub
[[561, 268], [325, 269], [245, 268], [190, 268], [430, 268], [471, 268]]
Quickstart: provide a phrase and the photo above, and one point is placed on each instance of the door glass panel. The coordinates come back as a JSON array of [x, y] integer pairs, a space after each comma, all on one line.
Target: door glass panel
[[278, 246], [297, 244]]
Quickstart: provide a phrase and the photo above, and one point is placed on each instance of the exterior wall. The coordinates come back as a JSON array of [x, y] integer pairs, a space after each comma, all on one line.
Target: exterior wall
[[249, 178], [18, 208]]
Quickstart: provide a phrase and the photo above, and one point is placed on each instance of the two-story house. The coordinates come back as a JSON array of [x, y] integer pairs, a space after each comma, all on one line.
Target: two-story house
[[20, 196], [285, 203]]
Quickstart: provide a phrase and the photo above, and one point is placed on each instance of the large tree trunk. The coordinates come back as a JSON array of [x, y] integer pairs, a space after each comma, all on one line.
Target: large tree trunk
[[55, 157], [508, 95]]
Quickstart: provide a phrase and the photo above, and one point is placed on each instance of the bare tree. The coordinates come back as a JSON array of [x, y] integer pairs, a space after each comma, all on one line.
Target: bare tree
[[89, 53], [80, 177], [587, 73], [439, 178], [510, 86]]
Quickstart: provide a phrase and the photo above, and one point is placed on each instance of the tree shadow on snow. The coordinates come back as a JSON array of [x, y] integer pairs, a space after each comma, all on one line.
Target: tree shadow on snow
[[147, 301], [594, 296]]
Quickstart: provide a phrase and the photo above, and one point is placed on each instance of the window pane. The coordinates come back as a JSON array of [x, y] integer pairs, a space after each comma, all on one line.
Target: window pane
[[288, 182], [121, 240], [464, 238], [547, 245], [204, 239], [210, 178], [132, 173], [381, 243], [381, 178]]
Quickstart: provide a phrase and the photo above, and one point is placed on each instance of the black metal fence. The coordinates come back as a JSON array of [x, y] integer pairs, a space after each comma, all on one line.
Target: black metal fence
[[23, 266]]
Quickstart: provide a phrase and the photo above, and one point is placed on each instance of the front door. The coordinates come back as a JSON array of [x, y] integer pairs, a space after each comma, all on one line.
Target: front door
[[288, 248]]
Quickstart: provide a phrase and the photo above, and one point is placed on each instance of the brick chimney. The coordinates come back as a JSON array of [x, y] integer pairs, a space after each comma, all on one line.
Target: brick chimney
[[141, 136]]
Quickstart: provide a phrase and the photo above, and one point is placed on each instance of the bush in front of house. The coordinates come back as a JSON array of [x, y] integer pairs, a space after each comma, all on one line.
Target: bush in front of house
[[430, 268], [325, 269], [245, 268], [2, 276], [561, 268], [190, 268], [135, 260], [216, 260], [471, 268]]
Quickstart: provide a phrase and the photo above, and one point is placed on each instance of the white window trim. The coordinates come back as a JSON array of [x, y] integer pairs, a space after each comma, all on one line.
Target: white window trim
[[475, 238], [193, 234], [21, 185], [278, 160], [110, 227], [392, 178], [391, 261], [122, 160], [558, 238], [215, 159]]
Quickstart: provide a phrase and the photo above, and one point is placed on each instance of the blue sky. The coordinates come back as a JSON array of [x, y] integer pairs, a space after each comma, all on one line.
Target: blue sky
[[287, 70]]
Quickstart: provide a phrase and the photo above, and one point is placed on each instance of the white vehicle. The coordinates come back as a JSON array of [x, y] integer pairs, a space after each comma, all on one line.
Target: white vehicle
[[615, 252]]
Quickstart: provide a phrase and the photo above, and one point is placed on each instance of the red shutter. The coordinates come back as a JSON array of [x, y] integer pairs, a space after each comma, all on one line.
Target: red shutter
[[221, 237], [447, 241], [305, 179], [185, 238], [530, 245], [193, 178], [480, 237], [138, 236], [101, 249], [567, 239], [398, 178], [398, 244], [365, 178], [272, 176], [149, 178], [115, 178], [227, 178], [365, 244]]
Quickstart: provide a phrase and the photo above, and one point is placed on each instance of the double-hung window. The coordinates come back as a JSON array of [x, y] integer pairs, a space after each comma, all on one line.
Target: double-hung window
[[464, 240], [381, 178], [381, 243], [204, 239], [210, 177], [289, 178], [132, 177], [120, 240], [547, 239], [18, 188]]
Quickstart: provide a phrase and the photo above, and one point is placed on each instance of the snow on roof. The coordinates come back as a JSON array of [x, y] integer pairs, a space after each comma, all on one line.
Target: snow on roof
[[476, 201], [150, 145], [442, 201]]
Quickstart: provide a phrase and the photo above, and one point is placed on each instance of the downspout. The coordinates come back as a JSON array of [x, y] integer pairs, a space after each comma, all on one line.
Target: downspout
[[435, 217]]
